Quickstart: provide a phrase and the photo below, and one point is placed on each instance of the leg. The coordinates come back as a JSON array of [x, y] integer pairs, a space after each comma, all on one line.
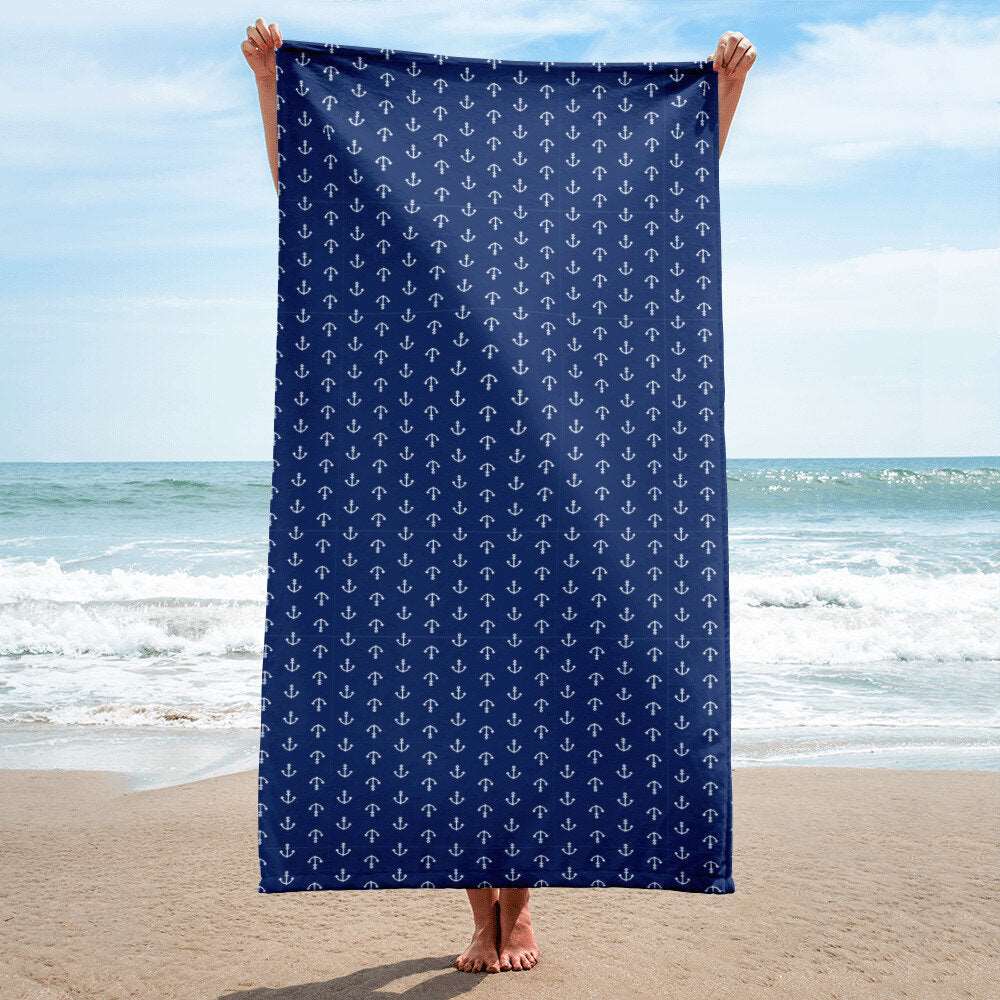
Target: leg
[[518, 948], [481, 955]]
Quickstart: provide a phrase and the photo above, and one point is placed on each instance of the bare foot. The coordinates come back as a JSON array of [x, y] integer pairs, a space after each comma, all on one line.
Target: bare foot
[[481, 955], [518, 947]]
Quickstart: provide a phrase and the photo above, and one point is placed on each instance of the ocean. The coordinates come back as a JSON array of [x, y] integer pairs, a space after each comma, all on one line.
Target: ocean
[[865, 601]]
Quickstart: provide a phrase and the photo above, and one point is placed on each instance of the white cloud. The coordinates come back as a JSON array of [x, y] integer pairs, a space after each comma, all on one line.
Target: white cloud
[[893, 352], [937, 290], [95, 93], [478, 21], [855, 93]]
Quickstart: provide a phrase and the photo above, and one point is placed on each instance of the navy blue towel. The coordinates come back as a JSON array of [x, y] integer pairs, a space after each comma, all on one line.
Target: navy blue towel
[[497, 646]]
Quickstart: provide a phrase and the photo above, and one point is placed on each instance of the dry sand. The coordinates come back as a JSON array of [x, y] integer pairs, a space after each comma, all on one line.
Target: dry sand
[[850, 883]]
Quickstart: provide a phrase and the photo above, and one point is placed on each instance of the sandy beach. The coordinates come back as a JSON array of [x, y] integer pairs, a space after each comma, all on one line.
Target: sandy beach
[[850, 883]]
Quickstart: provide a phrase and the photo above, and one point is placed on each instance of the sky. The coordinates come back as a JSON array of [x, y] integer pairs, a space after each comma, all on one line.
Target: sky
[[860, 215]]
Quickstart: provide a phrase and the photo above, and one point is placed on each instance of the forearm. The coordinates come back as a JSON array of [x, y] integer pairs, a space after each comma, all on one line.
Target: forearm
[[729, 96], [267, 93]]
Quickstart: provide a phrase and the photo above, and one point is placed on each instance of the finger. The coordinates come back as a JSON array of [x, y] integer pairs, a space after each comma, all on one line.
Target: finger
[[265, 33], [731, 42], [275, 35], [259, 34], [249, 51], [746, 59], [739, 56], [723, 48]]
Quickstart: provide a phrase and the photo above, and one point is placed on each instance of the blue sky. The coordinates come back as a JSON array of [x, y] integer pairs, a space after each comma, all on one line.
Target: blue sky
[[861, 217]]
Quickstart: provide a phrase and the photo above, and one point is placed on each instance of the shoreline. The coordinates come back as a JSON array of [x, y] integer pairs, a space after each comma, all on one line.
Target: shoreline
[[120, 781], [157, 757], [850, 882]]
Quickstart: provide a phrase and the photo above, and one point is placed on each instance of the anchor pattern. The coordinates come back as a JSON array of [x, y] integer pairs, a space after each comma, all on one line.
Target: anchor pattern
[[497, 635]]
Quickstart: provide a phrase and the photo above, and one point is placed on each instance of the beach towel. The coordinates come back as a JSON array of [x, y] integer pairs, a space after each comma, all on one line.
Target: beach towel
[[497, 627]]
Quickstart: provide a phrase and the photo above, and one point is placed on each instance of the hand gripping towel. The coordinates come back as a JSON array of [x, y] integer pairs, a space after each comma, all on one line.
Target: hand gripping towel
[[497, 627]]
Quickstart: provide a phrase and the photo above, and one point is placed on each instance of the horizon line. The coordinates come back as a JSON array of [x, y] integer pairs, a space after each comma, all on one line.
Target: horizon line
[[234, 461]]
